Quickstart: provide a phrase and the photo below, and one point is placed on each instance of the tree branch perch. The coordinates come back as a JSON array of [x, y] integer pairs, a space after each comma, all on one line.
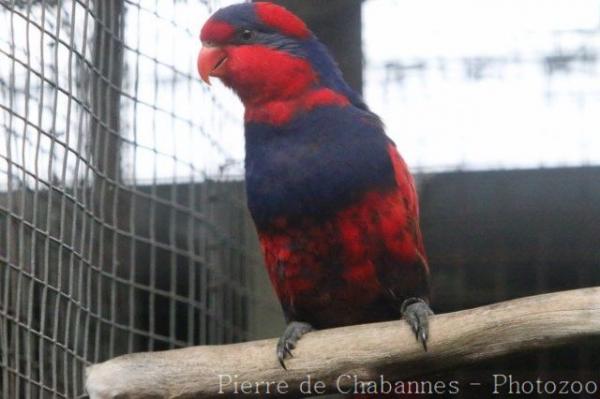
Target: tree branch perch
[[367, 351]]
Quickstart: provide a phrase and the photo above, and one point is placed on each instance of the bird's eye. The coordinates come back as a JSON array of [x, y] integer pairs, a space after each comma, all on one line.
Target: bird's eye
[[246, 35]]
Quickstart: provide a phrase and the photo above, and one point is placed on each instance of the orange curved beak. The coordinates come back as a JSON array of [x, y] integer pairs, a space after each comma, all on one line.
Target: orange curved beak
[[211, 62]]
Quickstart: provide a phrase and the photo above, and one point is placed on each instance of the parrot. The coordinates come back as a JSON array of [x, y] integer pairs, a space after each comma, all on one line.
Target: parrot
[[333, 202]]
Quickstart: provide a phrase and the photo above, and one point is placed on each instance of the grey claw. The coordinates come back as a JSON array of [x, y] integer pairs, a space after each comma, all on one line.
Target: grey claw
[[288, 351], [424, 340], [282, 362], [416, 312], [293, 332]]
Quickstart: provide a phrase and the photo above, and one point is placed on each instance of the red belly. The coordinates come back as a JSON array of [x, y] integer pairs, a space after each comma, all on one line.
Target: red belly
[[329, 273]]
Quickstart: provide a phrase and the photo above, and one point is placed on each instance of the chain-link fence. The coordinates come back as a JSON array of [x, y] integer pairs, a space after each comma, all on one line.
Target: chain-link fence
[[112, 237]]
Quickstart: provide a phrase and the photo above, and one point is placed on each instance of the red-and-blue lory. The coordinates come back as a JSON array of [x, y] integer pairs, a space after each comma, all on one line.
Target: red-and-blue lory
[[334, 204]]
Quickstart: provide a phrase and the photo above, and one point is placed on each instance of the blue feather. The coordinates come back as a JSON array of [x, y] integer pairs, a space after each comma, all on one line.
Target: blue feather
[[316, 164], [328, 71]]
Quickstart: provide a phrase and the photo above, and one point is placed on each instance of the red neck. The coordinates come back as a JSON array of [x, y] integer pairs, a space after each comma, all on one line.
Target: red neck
[[279, 112], [273, 85]]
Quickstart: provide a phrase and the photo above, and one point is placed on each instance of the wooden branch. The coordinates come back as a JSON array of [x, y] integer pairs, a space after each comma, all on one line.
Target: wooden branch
[[365, 351]]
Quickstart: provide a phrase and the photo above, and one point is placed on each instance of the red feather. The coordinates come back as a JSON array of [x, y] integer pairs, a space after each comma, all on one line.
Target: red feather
[[282, 111], [251, 73], [282, 20]]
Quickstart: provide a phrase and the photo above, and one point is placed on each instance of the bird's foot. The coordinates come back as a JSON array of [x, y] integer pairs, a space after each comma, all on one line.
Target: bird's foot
[[416, 312], [292, 334]]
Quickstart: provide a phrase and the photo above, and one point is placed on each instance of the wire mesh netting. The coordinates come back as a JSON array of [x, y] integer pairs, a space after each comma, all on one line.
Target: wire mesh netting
[[113, 238]]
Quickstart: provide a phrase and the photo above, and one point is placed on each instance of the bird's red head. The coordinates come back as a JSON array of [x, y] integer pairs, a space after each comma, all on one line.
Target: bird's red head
[[273, 62], [245, 46]]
